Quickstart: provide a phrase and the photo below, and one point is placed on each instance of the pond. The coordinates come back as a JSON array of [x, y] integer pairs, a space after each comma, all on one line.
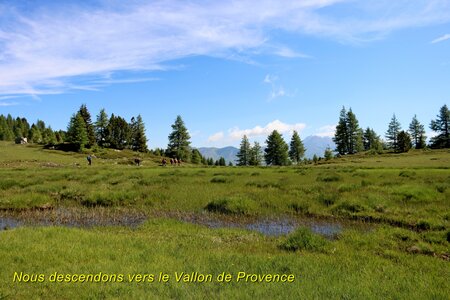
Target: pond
[[90, 217]]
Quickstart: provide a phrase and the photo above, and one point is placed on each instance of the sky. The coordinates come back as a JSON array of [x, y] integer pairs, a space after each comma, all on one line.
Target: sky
[[229, 68]]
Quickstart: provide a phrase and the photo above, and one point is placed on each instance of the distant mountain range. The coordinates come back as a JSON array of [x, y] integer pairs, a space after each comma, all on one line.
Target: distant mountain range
[[313, 144]]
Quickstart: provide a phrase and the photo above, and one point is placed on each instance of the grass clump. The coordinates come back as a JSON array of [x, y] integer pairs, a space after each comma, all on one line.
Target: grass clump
[[328, 199], [332, 177], [303, 239], [347, 208], [299, 207], [232, 206], [220, 179]]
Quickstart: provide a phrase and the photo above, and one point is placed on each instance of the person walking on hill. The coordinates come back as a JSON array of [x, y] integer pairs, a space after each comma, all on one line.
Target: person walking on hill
[[89, 159]]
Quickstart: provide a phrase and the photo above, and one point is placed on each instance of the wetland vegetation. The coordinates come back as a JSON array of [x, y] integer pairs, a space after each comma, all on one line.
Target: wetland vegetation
[[371, 226]]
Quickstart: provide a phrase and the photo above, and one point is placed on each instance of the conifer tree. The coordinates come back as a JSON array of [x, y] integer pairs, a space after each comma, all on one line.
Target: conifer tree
[[341, 135], [417, 132], [244, 154], [276, 152], [404, 142], [83, 111], [76, 132], [328, 154], [442, 126], [178, 146], [371, 141], [255, 155], [118, 132], [296, 149], [35, 135], [196, 157], [101, 128], [392, 133], [138, 138]]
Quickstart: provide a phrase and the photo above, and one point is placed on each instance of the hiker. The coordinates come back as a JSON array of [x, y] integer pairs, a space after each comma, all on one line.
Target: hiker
[[171, 161], [89, 159], [137, 161], [164, 162]]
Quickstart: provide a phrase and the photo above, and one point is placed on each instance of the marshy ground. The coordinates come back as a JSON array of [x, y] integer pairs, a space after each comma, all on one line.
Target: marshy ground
[[355, 227]]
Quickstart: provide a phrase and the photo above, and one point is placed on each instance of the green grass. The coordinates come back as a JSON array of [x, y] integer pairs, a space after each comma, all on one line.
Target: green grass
[[404, 254]]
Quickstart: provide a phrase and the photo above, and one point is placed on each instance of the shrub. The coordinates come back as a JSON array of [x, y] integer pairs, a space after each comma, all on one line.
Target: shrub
[[303, 239]]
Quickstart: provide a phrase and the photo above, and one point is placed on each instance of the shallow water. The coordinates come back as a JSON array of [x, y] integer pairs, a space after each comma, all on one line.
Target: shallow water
[[272, 227], [72, 217], [75, 217]]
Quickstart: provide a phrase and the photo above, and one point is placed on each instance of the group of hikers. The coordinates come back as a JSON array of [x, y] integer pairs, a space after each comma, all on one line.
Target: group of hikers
[[137, 161], [173, 161]]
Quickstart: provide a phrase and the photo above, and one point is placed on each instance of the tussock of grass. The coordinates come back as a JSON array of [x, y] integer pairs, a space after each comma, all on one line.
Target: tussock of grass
[[233, 206], [303, 239], [333, 177]]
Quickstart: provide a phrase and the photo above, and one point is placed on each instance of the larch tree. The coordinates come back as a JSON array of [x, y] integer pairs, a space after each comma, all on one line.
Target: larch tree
[[76, 132], [296, 148], [101, 128], [138, 138], [255, 155], [417, 132], [179, 141], [84, 112], [392, 133], [442, 126], [244, 153], [276, 152]]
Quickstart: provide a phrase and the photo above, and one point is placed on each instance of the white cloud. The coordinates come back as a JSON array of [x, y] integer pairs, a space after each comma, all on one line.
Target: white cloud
[[441, 39], [237, 134], [48, 50], [216, 137], [326, 131]]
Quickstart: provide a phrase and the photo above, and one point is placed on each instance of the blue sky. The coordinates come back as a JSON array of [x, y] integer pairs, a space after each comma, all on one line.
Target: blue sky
[[227, 67]]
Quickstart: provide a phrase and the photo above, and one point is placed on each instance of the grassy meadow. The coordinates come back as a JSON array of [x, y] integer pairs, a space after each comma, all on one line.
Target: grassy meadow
[[402, 201]]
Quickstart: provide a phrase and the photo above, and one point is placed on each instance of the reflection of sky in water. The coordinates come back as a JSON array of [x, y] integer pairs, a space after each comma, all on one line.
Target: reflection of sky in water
[[6, 223], [277, 227]]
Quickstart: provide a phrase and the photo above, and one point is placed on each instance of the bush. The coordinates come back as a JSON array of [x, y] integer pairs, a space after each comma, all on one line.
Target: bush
[[303, 239]]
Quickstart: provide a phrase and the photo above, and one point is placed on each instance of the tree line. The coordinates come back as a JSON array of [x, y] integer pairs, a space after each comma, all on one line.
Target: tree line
[[116, 133], [350, 138]]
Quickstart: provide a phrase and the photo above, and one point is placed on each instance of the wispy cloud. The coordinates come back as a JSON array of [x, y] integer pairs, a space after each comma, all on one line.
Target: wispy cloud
[[51, 49], [441, 39], [277, 90], [4, 103]]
